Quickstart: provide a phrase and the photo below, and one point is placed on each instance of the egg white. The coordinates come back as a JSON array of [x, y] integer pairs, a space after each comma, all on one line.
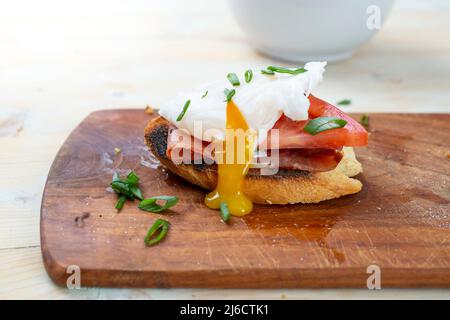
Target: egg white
[[262, 101]]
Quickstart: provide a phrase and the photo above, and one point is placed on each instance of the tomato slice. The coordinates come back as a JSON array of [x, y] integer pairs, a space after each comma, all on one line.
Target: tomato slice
[[292, 135]]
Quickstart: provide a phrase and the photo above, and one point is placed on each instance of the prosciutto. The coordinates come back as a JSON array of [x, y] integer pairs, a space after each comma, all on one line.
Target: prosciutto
[[297, 149]]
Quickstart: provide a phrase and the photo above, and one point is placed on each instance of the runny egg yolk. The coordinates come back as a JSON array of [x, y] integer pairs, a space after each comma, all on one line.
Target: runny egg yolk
[[232, 173]]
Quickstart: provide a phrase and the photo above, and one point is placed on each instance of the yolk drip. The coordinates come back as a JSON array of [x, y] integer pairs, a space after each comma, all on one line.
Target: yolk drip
[[232, 173]]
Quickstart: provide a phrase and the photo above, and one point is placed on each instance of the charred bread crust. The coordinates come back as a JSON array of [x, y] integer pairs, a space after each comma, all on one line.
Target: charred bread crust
[[287, 186]]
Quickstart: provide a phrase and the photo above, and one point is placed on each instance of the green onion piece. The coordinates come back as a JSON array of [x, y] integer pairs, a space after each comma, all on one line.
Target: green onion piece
[[185, 107], [365, 120], [270, 72], [321, 124], [248, 75], [345, 102], [224, 212], [122, 188], [229, 94], [205, 94], [120, 202], [150, 204], [132, 178], [160, 225], [233, 78], [286, 70], [136, 192], [126, 188]]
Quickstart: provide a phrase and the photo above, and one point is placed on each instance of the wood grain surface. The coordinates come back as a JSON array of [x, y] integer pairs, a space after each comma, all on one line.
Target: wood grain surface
[[400, 221]]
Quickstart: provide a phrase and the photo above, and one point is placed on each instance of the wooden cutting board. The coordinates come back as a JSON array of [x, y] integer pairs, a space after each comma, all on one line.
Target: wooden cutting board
[[400, 221]]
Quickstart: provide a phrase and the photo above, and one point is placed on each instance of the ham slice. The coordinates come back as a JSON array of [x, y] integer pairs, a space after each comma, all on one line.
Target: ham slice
[[188, 149], [309, 159], [181, 145], [298, 150]]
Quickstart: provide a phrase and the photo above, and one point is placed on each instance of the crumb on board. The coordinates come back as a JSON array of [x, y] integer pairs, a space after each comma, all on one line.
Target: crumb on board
[[364, 121], [448, 154], [149, 110]]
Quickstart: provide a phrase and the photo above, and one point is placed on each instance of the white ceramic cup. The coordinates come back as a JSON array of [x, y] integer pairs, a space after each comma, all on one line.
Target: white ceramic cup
[[307, 30]]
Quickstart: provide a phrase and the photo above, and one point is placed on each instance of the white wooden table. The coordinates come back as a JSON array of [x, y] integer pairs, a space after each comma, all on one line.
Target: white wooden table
[[60, 60]]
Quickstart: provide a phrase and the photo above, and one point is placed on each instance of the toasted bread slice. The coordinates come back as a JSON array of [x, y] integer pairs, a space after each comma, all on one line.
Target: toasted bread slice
[[287, 186]]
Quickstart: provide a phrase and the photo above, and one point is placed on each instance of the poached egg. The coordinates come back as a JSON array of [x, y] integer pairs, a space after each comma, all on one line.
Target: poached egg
[[261, 101], [256, 105]]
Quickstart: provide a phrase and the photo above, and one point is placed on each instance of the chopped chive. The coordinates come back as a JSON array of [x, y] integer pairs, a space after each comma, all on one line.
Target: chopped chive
[[120, 202], [137, 193], [152, 237], [229, 94], [365, 120], [345, 102], [321, 124], [185, 107], [248, 75], [150, 204], [224, 211], [122, 188], [286, 70], [127, 187], [233, 78], [205, 94], [270, 72], [132, 178]]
